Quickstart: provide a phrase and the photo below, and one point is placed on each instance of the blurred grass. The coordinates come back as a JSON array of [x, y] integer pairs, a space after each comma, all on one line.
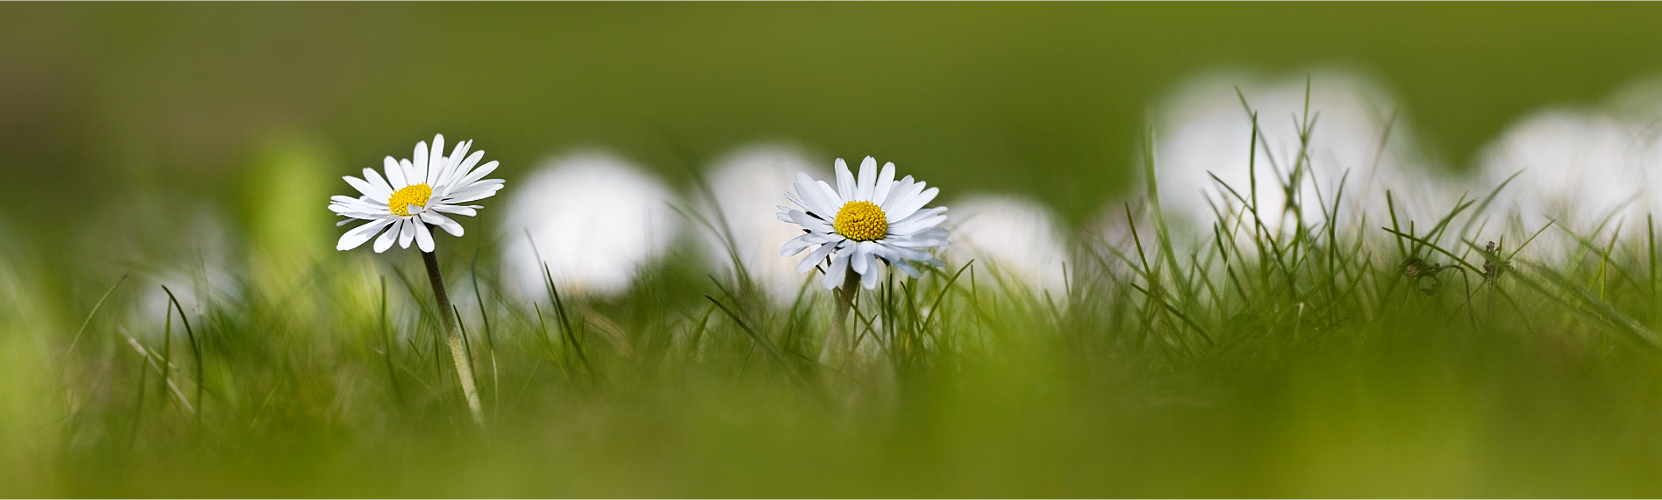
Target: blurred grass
[[1142, 383]]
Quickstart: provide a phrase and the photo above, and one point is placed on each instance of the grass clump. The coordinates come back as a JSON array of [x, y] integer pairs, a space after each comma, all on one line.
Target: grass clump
[[1339, 355]]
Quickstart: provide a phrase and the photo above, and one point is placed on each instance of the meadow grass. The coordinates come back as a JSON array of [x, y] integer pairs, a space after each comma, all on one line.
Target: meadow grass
[[1362, 355]]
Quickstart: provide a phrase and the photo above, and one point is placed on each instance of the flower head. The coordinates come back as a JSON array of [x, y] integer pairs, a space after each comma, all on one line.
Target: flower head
[[415, 194], [863, 221], [1336, 128], [1016, 237], [745, 185], [593, 218]]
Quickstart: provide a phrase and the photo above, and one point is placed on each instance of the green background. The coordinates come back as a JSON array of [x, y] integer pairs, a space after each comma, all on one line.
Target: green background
[[1047, 99]]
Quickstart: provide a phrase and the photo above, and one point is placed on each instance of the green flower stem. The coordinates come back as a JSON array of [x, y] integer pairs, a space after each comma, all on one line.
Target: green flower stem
[[464, 365], [839, 342]]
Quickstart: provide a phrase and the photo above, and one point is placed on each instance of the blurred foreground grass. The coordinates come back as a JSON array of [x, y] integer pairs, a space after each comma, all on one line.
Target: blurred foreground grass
[[1306, 363]]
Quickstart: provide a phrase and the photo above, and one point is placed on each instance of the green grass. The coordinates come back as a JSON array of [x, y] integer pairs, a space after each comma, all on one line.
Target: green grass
[[1369, 356]]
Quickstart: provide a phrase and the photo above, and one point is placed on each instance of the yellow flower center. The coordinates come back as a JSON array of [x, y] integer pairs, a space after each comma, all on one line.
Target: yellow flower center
[[861, 221], [414, 194]]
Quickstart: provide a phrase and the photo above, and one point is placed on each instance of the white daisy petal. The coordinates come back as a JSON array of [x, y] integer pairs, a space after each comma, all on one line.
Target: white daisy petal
[[904, 252], [839, 268], [365, 187], [885, 180], [395, 173], [932, 237], [445, 223], [796, 200], [342, 205], [905, 209], [845, 182], [914, 224], [868, 250], [471, 195], [798, 244], [860, 262], [464, 168], [475, 193], [406, 233], [387, 238], [411, 176], [819, 206], [916, 216], [804, 220], [475, 175], [418, 160], [436, 160], [809, 191], [831, 198], [463, 210], [893, 256], [816, 256], [453, 170], [907, 268], [806, 198], [455, 158], [358, 235], [867, 180], [380, 184], [354, 214], [424, 237], [903, 189], [869, 279]]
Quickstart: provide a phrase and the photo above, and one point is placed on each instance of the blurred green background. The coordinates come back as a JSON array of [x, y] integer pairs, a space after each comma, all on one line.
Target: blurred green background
[[100, 100], [115, 118]]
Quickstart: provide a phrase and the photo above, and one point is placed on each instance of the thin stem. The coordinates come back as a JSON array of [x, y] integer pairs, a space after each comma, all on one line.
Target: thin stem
[[837, 342], [88, 321], [464, 366], [195, 349]]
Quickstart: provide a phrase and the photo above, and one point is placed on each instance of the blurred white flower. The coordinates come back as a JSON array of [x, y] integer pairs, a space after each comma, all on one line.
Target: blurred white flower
[[196, 289], [1015, 237], [745, 185], [1205, 130], [595, 220], [415, 194], [863, 221], [1580, 168], [198, 272]]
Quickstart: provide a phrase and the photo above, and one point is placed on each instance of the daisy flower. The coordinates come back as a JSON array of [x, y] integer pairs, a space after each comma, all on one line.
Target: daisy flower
[[415, 194], [863, 221], [593, 218], [1202, 131], [1016, 236], [745, 185], [1581, 169]]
